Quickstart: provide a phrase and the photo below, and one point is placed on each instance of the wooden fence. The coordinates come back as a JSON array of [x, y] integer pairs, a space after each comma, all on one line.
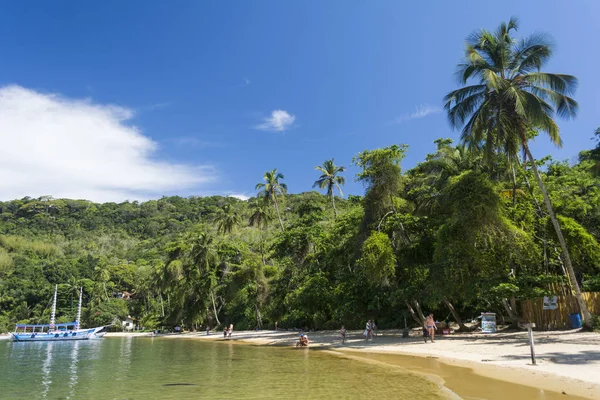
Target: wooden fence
[[533, 311]]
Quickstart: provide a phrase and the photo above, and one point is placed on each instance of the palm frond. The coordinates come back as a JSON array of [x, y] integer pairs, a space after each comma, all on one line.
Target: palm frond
[[531, 54], [561, 83], [461, 110]]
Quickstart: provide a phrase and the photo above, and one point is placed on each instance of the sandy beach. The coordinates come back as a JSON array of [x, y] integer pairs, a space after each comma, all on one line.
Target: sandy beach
[[567, 361]]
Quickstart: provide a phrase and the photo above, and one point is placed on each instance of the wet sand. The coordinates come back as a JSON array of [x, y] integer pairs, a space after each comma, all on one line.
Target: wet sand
[[472, 365]]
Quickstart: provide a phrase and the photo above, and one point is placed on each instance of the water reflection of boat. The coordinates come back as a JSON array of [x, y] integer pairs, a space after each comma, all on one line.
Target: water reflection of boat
[[53, 332]]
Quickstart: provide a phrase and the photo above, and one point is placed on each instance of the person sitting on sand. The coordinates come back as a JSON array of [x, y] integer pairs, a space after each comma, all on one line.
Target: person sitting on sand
[[430, 324], [302, 341], [343, 334]]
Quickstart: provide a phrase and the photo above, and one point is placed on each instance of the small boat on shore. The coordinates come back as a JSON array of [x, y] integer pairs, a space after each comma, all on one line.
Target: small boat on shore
[[53, 332]]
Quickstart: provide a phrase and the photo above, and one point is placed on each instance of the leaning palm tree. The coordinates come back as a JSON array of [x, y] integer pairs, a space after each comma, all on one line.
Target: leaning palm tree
[[330, 179], [271, 189], [512, 98]]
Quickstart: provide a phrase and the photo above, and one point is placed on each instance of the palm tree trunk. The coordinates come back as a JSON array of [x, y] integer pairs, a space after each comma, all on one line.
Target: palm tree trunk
[[587, 316], [333, 205], [262, 249], [514, 191], [277, 210], [258, 317], [162, 305], [212, 296]]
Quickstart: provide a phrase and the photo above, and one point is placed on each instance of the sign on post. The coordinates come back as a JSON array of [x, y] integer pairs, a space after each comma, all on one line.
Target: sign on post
[[550, 302], [531, 344]]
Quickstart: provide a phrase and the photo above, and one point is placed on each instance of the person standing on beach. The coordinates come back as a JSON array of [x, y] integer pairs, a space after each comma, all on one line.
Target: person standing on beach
[[343, 334], [430, 324], [368, 331], [230, 331], [225, 331]]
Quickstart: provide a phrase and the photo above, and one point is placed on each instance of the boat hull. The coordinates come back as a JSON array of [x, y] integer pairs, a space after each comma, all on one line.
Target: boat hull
[[79, 334]]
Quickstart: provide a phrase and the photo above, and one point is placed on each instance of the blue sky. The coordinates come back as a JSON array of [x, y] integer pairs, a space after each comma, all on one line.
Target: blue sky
[[200, 80]]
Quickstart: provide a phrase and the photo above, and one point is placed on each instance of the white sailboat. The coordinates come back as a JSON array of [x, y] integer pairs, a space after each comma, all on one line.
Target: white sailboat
[[53, 331]]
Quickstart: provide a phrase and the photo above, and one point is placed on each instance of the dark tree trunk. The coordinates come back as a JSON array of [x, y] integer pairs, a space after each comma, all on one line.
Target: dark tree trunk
[[419, 321], [510, 308], [457, 318], [419, 311]]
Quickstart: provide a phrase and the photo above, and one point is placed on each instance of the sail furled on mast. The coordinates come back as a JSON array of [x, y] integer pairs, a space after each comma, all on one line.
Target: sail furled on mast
[[53, 317], [78, 320]]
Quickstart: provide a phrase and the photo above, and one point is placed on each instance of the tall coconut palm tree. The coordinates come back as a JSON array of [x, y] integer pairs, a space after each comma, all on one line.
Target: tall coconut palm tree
[[261, 218], [511, 98], [330, 179], [204, 256], [596, 154], [271, 189], [227, 219], [102, 273]]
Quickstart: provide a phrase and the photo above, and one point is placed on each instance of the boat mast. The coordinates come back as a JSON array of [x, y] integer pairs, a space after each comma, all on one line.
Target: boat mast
[[79, 309], [53, 317]]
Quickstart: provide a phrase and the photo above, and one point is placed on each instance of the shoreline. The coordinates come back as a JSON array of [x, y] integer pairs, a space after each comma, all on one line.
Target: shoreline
[[568, 362]]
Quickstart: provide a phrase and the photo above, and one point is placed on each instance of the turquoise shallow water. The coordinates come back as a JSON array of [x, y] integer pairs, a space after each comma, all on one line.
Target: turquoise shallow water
[[144, 368]]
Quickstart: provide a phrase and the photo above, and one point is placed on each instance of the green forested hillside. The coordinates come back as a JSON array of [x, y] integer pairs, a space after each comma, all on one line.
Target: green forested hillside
[[474, 227], [451, 231]]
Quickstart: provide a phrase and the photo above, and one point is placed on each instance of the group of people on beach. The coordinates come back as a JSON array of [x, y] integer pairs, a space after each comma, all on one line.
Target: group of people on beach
[[227, 332], [370, 330]]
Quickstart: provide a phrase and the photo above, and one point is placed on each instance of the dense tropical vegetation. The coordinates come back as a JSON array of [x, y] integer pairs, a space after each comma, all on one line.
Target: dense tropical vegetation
[[464, 231]]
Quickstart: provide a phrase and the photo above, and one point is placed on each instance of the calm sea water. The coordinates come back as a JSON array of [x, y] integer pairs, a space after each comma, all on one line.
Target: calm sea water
[[161, 368]]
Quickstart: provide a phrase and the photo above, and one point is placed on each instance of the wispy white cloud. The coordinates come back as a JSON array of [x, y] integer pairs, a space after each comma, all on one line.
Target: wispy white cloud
[[74, 148], [239, 196], [279, 121], [421, 111]]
